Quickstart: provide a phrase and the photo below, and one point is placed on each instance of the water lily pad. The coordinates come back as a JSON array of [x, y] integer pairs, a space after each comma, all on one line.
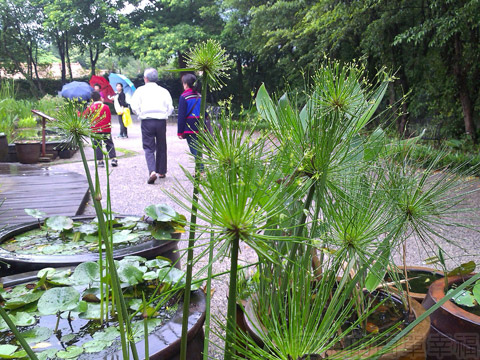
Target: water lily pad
[[59, 223], [57, 300], [171, 275], [150, 275], [93, 311], [130, 274], [23, 319], [161, 234], [124, 236], [70, 353], [7, 349], [47, 354], [37, 214], [464, 298], [88, 229], [109, 334], [37, 334], [86, 273], [23, 299], [158, 263], [161, 212], [93, 346]]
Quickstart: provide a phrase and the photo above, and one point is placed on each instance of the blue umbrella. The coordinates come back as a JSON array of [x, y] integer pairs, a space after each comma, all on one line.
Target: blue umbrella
[[128, 87], [77, 90]]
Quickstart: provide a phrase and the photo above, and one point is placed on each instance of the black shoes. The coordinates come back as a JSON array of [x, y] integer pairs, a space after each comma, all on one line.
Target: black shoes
[[152, 179]]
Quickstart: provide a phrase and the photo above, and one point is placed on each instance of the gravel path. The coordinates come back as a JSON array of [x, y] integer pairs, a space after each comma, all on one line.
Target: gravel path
[[130, 194]]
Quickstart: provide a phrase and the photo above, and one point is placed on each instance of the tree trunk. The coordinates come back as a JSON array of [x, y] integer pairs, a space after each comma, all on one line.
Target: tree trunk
[[93, 59], [461, 79], [68, 57], [240, 79], [61, 53]]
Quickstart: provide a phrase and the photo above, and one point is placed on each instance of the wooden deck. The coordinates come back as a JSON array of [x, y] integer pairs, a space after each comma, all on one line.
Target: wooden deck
[[54, 191]]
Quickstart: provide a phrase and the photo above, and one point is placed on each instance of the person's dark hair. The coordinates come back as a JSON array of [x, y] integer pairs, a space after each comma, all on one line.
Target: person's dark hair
[[191, 81], [97, 85], [120, 85], [95, 96]]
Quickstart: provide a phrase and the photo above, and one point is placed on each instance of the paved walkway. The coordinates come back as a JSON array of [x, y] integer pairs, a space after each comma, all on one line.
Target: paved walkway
[[130, 194]]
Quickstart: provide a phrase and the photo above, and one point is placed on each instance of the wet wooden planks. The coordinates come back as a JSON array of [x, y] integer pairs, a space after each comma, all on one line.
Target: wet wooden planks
[[54, 191]]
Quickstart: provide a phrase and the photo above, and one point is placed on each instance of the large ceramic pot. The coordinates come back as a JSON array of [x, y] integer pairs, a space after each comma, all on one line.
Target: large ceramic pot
[[28, 152], [3, 147], [163, 342], [412, 347], [18, 263], [455, 332]]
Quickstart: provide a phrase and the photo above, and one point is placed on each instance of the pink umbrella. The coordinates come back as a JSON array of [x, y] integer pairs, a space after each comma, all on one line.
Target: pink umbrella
[[105, 88]]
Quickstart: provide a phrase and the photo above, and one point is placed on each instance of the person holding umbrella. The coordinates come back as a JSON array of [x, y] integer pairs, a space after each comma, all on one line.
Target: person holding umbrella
[[122, 101], [153, 104], [102, 125]]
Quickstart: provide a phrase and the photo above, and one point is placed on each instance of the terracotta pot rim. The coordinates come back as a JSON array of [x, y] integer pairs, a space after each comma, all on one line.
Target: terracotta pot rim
[[437, 292]]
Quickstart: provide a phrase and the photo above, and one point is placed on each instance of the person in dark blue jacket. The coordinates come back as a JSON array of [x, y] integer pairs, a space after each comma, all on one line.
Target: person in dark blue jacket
[[189, 112]]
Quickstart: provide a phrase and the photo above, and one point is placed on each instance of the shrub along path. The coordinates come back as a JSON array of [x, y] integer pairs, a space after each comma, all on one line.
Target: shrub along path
[[130, 194]]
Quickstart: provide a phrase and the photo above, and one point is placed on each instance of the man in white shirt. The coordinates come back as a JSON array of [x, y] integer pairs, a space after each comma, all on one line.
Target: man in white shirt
[[153, 104]]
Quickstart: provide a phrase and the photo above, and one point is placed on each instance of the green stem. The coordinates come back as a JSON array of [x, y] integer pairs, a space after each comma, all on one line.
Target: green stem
[[189, 271], [116, 287], [209, 299], [17, 334], [232, 302]]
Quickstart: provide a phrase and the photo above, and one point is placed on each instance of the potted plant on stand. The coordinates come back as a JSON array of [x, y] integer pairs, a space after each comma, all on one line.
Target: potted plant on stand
[[27, 142]]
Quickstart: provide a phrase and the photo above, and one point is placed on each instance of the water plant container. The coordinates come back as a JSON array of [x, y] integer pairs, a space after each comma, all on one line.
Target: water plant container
[[455, 332], [3, 147], [28, 152], [411, 347], [164, 341], [422, 278], [19, 263]]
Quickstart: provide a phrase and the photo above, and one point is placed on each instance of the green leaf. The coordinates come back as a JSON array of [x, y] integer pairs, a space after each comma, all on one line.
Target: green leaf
[[161, 234], [59, 223], [378, 270], [37, 334], [7, 349], [161, 212], [37, 214], [88, 229], [124, 236], [464, 298], [171, 275], [93, 346], [130, 274], [93, 311], [158, 263], [476, 292], [70, 353], [47, 354], [23, 319], [109, 334], [265, 105], [86, 273], [57, 300], [463, 269], [23, 300]]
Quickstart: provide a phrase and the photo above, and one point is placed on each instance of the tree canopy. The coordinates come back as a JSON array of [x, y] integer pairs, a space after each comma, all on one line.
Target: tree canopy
[[431, 47]]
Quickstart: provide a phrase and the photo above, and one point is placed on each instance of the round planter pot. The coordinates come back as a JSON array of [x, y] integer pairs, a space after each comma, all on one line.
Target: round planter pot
[[411, 347], [19, 263], [423, 272], [163, 343], [28, 153], [455, 332], [3, 148]]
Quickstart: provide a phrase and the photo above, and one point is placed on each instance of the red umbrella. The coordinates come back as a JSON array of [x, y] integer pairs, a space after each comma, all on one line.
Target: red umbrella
[[105, 88]]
